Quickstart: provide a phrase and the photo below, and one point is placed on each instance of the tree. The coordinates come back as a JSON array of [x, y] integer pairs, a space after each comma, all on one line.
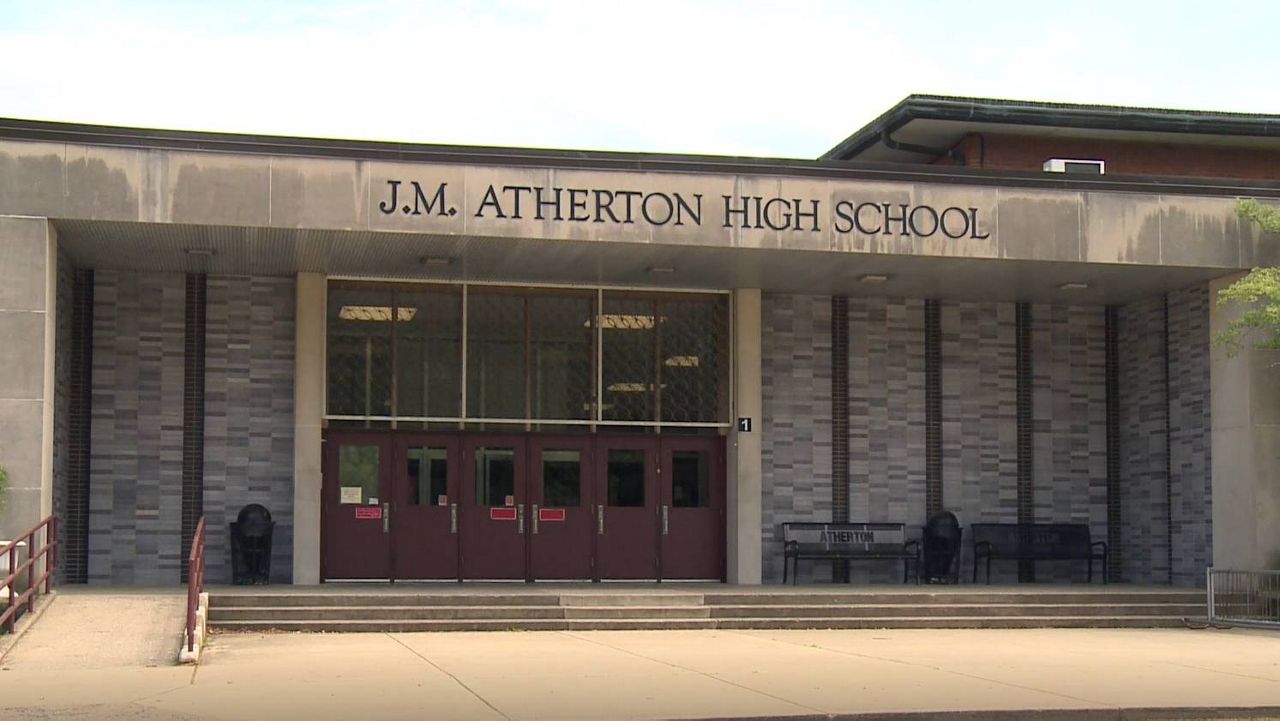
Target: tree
[[1260, 290]]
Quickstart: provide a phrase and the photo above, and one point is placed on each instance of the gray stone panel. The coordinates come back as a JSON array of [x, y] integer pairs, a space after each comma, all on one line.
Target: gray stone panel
[[135, 499], [796, 427], [248, 454], [1069, 412], [1144, 533], [1190, 435], [979, 420], [886, 421]]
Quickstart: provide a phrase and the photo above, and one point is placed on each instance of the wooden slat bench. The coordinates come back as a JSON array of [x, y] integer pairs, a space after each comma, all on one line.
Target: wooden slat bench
[[1035, 542], [847, 541]]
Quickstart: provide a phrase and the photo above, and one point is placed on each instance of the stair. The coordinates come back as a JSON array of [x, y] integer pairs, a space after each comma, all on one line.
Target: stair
[[725, 607]]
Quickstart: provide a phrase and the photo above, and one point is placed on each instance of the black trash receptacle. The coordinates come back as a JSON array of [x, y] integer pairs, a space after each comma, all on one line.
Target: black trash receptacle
[[251, 545], [942, 548]]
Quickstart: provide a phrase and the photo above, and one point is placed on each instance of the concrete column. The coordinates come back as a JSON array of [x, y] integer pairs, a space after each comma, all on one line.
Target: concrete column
[[744, 485], [1245, 410], [28, 313], [308, 409]]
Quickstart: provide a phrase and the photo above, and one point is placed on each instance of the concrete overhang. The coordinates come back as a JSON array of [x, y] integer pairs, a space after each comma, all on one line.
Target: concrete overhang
[[276, 206]]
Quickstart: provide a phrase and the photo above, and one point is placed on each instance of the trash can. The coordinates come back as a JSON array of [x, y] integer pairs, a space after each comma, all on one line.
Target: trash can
[[942, 548], [251, 545]]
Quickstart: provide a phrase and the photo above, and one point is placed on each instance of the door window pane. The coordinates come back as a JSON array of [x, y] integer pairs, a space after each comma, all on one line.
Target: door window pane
[[429, 352], [357, 474], [428, 476], [495, 355], [562, 478], [359, 351], [626, 478], [495, 476], [690, 479]]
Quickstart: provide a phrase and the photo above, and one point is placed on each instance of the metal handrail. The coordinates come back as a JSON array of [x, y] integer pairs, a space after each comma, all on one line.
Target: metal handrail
[[46, 551], [1243, 598], [195, 582]]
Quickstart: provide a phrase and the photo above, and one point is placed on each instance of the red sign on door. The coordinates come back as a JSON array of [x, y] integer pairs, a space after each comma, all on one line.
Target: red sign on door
[[551, 515], [502, 514], [373, 513]]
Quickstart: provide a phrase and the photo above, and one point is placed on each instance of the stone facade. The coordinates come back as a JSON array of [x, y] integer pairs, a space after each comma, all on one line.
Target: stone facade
[[796, 427], [135, 490], [1190, 442], [248, 432]]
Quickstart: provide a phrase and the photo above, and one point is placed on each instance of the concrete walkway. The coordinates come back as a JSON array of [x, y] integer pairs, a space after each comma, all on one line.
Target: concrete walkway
[[672, 674]]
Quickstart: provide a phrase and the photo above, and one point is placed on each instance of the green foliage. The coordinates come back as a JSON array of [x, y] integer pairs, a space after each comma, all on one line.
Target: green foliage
[[1260, 290], [4, 487]]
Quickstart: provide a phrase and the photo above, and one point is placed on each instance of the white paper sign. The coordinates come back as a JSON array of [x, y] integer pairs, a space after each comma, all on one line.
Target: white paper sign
[[351, 494]]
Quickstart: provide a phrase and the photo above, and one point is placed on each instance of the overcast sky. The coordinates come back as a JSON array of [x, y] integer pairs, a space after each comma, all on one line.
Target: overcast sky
[[785, 79]]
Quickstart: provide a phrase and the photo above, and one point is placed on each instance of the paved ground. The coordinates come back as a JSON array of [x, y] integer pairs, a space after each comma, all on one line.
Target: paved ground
[[664, 674]]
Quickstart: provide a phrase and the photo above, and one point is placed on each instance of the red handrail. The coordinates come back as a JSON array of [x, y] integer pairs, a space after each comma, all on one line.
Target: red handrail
[[195, 582], [46, 551]]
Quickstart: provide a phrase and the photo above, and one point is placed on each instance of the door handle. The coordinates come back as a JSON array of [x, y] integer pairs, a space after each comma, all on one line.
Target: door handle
[[665, 525], [520, 518], [600, 520], [386, 517], [533, 518], [453, 518]]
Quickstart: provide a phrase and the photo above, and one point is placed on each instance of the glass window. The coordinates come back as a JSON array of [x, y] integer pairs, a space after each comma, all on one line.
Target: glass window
[[495, 355], [690, 479], [626, 478], [693, 370], [562, 349], [628, 326], [358, 474], [359, 351], [428, 476], [495, 476], [429, 352], [562, 478]]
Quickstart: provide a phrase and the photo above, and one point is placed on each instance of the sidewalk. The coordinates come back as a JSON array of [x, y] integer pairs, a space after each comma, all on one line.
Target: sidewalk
[[671, 674]]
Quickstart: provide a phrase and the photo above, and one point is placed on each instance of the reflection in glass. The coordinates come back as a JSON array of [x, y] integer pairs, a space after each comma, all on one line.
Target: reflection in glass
[[357, 468], [359, 351], [428, 476], [561, 478], [495, 476], [694, 352], [429, 353], [629, 337], [626, 478], [562, 348], [495, 355], [690, 479]]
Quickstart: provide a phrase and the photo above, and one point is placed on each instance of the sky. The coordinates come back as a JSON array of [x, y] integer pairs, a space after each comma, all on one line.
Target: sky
[[775, 79]]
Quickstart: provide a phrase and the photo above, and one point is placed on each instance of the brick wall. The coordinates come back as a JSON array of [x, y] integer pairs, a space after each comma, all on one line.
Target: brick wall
[[1028, 152]]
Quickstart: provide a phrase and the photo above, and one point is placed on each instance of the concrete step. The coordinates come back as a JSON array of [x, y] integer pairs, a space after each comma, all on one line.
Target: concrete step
[[219, 614], [377, 626], [365, 600], [636, 612], [910, 622], [631, 599], [955, 610], [888, 598]]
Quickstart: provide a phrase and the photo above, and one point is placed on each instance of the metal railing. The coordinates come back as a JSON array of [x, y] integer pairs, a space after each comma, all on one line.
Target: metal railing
[[195, 582], [41, 543], [1243, 598]]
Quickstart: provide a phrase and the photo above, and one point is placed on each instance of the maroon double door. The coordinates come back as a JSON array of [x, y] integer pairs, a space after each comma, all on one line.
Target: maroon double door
[[421, 506]]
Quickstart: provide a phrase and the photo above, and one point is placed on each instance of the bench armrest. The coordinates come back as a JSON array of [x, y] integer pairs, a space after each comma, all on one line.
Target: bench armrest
[[1095, 545], [790, 547], [982, 548], [912, 547]]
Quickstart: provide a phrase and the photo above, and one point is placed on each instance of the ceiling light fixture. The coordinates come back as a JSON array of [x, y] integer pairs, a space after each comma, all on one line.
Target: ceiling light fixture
[[437, 261], [873, 278], [1073, 286], [200, 252], [662, 269]]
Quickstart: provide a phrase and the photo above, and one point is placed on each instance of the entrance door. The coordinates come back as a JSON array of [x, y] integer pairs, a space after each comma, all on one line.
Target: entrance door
[[356, 500], [424, 507], [561, 523], [491, 503], [626, 508], [692, 502]]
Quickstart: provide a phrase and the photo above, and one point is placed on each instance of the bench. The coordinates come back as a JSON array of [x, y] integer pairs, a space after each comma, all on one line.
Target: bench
[[1035, 542], [847, 541]]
